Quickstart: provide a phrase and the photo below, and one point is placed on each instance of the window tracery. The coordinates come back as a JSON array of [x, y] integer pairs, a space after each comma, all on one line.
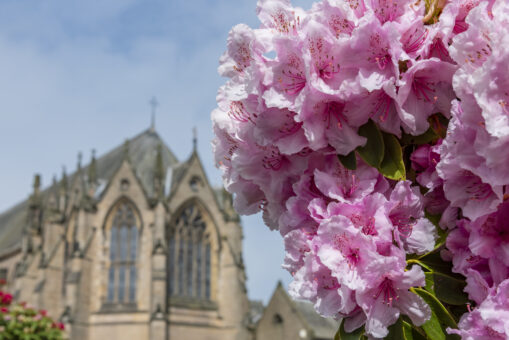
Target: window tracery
[[189, 256], [123, 243]]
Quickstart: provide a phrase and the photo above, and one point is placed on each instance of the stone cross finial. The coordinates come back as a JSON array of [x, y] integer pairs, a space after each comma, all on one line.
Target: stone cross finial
[[153, 104], [195, 138]]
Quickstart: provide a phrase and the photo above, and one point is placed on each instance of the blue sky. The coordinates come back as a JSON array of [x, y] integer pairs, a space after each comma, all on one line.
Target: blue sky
[[78, 75]]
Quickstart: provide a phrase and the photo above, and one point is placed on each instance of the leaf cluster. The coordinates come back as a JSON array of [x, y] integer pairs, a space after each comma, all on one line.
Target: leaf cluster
[[444, 289], [20, 323]]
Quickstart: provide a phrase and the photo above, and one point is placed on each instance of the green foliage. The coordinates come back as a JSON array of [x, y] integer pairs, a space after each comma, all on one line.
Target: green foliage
[[382, 151], [401, 330], [449, 289], [349, 161], [441, 318], [392, 165], [19, 322], [373, 151], [433, 329], [427, 137], [443, 290]]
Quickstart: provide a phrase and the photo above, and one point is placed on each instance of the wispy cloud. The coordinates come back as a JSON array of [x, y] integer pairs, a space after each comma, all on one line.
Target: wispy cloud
[[77, 75]]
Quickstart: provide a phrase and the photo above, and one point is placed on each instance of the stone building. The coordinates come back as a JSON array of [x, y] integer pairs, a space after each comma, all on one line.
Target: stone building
[[134, 245], [286, 319]]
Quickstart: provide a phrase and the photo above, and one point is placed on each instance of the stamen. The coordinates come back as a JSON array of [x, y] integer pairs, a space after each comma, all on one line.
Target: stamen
[[382, 105], [366, 224], [389, 293], [422, 87], [274, 160], [474, 187], [417, 42], [438, 46], [239, 112], [295, 82], [340, 25], [351, 254], [334, 109], [290, 126]]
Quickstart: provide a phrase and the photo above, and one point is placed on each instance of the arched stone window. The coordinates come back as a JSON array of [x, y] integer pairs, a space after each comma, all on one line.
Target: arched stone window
[[190, 256], [123, 250]]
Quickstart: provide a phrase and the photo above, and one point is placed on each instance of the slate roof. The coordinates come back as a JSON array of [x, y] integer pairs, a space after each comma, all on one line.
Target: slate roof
[[142, 155]]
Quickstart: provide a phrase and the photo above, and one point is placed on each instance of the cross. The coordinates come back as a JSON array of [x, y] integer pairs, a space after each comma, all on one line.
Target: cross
[[153, 104], [195, 137]]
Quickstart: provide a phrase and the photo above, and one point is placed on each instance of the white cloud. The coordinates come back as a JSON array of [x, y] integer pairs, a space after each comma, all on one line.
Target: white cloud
[[77, 75]]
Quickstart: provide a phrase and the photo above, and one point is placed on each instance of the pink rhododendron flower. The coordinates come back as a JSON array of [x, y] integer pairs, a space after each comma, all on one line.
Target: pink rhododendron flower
[[490, 320], [351, 223]]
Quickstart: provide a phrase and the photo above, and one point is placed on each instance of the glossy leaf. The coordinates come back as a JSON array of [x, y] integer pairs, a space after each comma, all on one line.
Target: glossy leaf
[[407, 331], [430, 282], [434, 261], [416, 334], [427, 137], [373, 151], [443, 315], [349, 161], [433, 328], [449, 289], [392, 165], [401, 330]]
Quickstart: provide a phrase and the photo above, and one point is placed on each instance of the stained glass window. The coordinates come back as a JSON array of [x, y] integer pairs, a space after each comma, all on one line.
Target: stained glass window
[[122, 273], [188, 264]]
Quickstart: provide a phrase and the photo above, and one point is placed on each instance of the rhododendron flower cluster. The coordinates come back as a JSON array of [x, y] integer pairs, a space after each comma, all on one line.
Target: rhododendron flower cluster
[[374, 135], [20, 321]]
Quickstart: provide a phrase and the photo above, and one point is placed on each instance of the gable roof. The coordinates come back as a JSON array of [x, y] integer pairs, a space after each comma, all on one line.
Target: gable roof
[[142, 153], [323, 328]]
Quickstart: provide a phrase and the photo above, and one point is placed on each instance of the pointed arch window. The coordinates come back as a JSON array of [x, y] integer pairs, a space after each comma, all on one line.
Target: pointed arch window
[[189, 256], [123, 241]]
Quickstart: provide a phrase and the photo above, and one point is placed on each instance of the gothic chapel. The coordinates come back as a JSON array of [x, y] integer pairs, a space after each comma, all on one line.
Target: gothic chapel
[[135, 245]]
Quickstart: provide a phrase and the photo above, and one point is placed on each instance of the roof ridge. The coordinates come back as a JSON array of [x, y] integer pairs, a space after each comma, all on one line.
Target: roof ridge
[[142, 160]]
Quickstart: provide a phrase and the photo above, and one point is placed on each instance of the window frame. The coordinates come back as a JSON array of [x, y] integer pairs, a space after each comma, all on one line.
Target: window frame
[[180, 239], [123, 216]]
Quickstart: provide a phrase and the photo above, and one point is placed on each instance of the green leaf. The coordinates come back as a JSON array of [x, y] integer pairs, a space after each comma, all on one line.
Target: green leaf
[[445, 318], [416, 333], [392, 165], [450, 289], [427, 137], [433, 328], [433, 218], [349, 161], [373, 152], [430, 282], [434, 261], [407, 331], [401, 330], [341, 334]]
